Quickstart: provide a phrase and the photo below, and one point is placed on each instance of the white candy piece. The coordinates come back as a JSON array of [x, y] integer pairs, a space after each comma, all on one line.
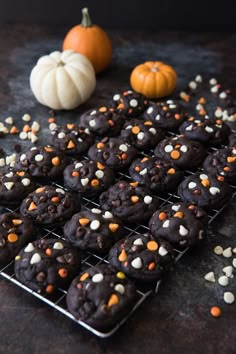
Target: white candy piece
[[214, 89], [59, 190], [92, 123], [26, 182], [157, 117], [123, 147], [147, 199], [234, 250], [203, 176], [218, 113], [175, 207], [166, 223], [198, 78], [23, 135], [97, 278], [153, 131], [116, 97], [95, 224], [84, 181], [199, 107], [212, 81], [214, 190], [210, 277], [38, 157], [52, 126], [218, 250], [96, 211], [9, 185], [192, 185], [168, 148], [58, 246], [189, 128], [9, 175], [140, 136], [200, 235], [184, 148], [227, 253], [34, 138], [119, 288], [229, 297], [192, 85], [234, 262], [78, 165], [23, 157], [137, 263], [9, 120], [223, 95], [107, 215], [36, 258], [150, 110], [133, 103], [228, 271], [143, 172], [162, 251], [35, 126], [29, 247], [61, 135], [93, 112], [99, 174], [2, 162], [26, 117], [183, 231], [223, 280], [172, 106], [138, 242]]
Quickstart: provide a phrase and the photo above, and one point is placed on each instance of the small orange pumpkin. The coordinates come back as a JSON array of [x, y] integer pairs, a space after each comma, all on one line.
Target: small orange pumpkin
[[153, 79], [90, 40]]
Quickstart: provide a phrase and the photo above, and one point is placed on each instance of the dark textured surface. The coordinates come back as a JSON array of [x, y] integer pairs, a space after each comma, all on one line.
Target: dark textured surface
[[177, 320]]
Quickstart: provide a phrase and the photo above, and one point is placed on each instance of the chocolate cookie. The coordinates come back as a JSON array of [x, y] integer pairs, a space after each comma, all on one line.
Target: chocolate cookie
[[185, 153], [206, 130], [102, 121], [88, 177], [167, 115], [45, 161], [93, 230], [130, 103], [47, 264], [156, 174], [101, 297], [205, 190], [142, 257], [141, 134], [112, 152], [129, 201], [181, 224], [15, 232], [222, 162], [71, 139], [15, 186], [49, 205]]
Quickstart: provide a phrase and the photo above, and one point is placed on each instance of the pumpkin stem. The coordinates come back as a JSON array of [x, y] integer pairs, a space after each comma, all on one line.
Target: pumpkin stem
[[86, 20]]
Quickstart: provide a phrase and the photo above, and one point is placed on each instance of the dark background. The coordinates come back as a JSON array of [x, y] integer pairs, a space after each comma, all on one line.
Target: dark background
[[194, 15]]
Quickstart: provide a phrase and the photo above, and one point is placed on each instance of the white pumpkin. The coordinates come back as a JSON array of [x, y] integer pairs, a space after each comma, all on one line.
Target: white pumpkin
[[62, 80]]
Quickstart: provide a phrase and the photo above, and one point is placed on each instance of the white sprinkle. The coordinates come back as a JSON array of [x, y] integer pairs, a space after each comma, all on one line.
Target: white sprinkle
[[192, 185], [210, 277], [38, 157], [162, 251], [99, 174], [227, 253], [143, 172], [84, 181], [116, 97], [184, 148], [214, 89], [119, 288], [209, 129], [234, 262], [166, 223], [59, 190], [29, 247], [58, 246], [61, 135], [229, 297], [137, 263], [228, 271], [149, 110], [140, 136], [26, 182], [35, 126], [107, 215], [203, 176], [9, 185], [9, 175], [218, 113], [175, 207], [198, 78], [218, 250], [223, 280], [95, 224], [96, 211], [168, 148], [123, 147], [23, 135], [36, 258], [78, 165], [52, 126], [138, 242], [26, 117], [153, 131], [147, 199], [9, 120], [92, 123], [183, 231], [97, 278], [157, 117], [214, 190], [213, 81], [192, 85], [223, 95], [133, 103]]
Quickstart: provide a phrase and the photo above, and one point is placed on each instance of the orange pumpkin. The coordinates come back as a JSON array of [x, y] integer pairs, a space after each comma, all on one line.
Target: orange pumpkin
[[153, 79], [91, 41]]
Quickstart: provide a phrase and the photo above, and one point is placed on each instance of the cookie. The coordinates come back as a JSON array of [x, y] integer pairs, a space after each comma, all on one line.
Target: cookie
[[93, 230], [113, 152], [184, 153], [205, 190], [156, 174], [182, 224], [206, 130], [130, 103], [49, 206], [101, 297], [71, 139], [232, 139], [166, 114], [141, 134], [47, 264], [102, 121], [88, 177], [142, 257], [129, 202], [222, 162], [41, 162], [15, 185], [15, 232]]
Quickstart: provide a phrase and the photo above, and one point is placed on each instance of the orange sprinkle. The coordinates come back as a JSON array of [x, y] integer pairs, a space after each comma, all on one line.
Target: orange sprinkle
[[135, 129], [171, 171], [84, 221], [124, 156], [26, 128], [205, 182], [133, 184], [51, 120], [226, 168], [70, 126], [48, 148], [70, 145], [95, 183], [103, 109], [220, 178], [137, 168], [202, 100], [175, 154], [63, 272], [113, 227], [48, 252], [20, 173], [14, 130], [56, 161], [12, 237], [134, 198], [215, 311], [32, 206], [179, 215], [122, 256], [84, 276], [75, 174], [55, 199], [162, 216], [114, 300], [152, 245], [49, 289], [100, 166], [100, 145], [151, 266], [40, 189], [177, 116], [231, 159]]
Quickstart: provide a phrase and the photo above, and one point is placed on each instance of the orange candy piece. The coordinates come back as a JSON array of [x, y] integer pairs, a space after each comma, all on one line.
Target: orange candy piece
[[134, 184], [111, 123], [40, 190], [17, 221], [231, 159], [124, 156], [148, 122], [179, 214], [94, 183], [12, 237], [100, 145], [226, 168], [135, 129], [151, 266], [215, 311], [55, 199], [75, 174], [56, 161], [49, 289], [114, 300], [20, 173], [84, 276], [220, 178], [137, 168], [171, 171], [70, 145], [100, 166], [144, 159], [122, 256], [32, 206], [63, 272], [84, 221], [48, 148], [113, 227], [162, 216], [205, 182], [152, 245], [103, 109], [177, 116], [175, 154], [48, 252], [70, 126], [134, 199]]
